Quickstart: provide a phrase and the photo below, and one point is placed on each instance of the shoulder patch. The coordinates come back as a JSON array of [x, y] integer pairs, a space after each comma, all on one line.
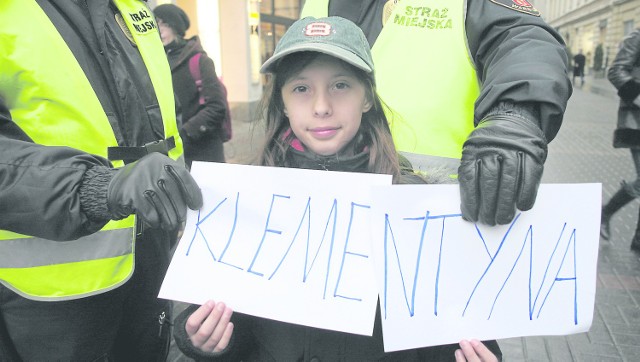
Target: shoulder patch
[[522, 6], [123, 26]]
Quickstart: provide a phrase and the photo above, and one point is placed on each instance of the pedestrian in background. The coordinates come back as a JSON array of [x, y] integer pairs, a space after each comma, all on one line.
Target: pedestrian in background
[[322, 113], [579, 61], [88, 138], [203, 105], [624, 74], [478, 85]]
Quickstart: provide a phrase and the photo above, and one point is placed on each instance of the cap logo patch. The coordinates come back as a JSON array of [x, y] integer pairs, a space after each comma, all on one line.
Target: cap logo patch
[[317, 29], [522, 6]]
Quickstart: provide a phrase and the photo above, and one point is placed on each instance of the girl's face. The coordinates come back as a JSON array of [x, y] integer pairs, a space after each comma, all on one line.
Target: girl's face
[[167, 35], [324, 104]]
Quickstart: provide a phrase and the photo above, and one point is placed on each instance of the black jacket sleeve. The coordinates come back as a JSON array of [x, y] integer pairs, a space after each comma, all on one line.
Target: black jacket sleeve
[[620, 73], [39, 190], [39, 186], [208, 118], [520, 60]]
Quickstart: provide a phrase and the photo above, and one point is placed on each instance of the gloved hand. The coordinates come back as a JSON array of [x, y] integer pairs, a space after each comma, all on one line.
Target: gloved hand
[[629, 91], [501, 168], [157, 189]]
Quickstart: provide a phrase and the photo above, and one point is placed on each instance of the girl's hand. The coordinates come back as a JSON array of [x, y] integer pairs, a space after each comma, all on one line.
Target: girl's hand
[[209, 327], [474, 351]]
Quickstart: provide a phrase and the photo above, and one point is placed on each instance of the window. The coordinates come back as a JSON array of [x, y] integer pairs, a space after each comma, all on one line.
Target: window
[[602, 24], [275, 18], [628, 27]]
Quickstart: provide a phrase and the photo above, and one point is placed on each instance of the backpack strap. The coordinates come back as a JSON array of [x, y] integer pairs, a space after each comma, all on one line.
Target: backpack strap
[[194, 68]]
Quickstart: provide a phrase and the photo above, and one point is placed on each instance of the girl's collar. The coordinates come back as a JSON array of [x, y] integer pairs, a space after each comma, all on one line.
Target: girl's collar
[[295, 143]]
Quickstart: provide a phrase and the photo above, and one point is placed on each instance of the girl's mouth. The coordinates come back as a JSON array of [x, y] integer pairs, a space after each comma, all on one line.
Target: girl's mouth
[[324, 132]]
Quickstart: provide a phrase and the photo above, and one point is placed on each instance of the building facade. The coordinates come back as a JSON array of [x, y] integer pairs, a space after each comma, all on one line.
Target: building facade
[[594, 26]]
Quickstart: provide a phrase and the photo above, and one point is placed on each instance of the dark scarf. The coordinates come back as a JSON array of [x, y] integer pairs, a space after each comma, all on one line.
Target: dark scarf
[[175, 46], [298, 156]]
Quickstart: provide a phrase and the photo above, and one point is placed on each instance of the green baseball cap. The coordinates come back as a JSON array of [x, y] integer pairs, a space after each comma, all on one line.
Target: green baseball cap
[[333, 36]]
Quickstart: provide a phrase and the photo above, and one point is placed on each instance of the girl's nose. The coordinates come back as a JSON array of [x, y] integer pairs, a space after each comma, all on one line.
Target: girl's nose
[[322, 105]]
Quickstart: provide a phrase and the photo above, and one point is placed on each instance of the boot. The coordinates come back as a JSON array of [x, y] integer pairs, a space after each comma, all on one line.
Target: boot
[[618, 200], [635, 243]]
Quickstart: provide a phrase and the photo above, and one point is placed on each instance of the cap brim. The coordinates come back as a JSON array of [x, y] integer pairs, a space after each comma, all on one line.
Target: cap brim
[[329, 49]]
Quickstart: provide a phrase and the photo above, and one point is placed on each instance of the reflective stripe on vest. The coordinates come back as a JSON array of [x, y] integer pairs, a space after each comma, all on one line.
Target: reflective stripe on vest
[[430, 36], [52, 101], [47, 270]]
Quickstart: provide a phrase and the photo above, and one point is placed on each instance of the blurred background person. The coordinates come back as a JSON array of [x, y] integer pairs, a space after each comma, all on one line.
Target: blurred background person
[[579, 61], [203, 105], [624, 74]]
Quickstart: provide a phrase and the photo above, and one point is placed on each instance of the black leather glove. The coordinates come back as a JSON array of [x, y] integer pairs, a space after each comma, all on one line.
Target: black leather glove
[[157, 189], [629, 91], [501, 168]]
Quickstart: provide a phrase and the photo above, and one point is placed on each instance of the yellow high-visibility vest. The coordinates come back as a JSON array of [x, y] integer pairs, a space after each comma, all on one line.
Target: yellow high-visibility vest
[[424, 72], [51, 100]]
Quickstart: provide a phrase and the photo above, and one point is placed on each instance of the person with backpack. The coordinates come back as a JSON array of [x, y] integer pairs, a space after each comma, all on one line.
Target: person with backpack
[[196, 85]]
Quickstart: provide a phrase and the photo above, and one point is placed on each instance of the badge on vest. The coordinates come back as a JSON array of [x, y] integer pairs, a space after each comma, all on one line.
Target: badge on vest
[[136, 23], [388, 9], [125, 30], [522, 6]]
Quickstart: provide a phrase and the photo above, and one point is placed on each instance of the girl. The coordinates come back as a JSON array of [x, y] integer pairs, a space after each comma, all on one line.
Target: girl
[[322, 112]]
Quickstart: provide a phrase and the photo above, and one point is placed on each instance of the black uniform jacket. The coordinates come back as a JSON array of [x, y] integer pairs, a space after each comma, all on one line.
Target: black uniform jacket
[[38, 184]]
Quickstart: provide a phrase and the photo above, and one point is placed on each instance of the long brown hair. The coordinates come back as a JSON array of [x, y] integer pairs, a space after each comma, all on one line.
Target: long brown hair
[[374, 128]]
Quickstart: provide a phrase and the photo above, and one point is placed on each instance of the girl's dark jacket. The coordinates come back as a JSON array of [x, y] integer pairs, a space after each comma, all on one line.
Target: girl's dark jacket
[[624, 73], [201, 125], [259, 339]]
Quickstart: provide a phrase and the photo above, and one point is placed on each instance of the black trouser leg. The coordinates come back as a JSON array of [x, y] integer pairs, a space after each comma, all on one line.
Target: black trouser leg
[[635, 242], [619, 199], [145, 330], [7, 351]]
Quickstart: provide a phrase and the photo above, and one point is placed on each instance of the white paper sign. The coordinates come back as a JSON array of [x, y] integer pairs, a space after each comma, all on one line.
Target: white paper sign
[[286, 244], [318, 248], [442, 279]]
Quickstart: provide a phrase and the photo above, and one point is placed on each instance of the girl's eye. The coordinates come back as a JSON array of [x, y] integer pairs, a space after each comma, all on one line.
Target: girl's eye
[[341, 85], [300, 89]]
